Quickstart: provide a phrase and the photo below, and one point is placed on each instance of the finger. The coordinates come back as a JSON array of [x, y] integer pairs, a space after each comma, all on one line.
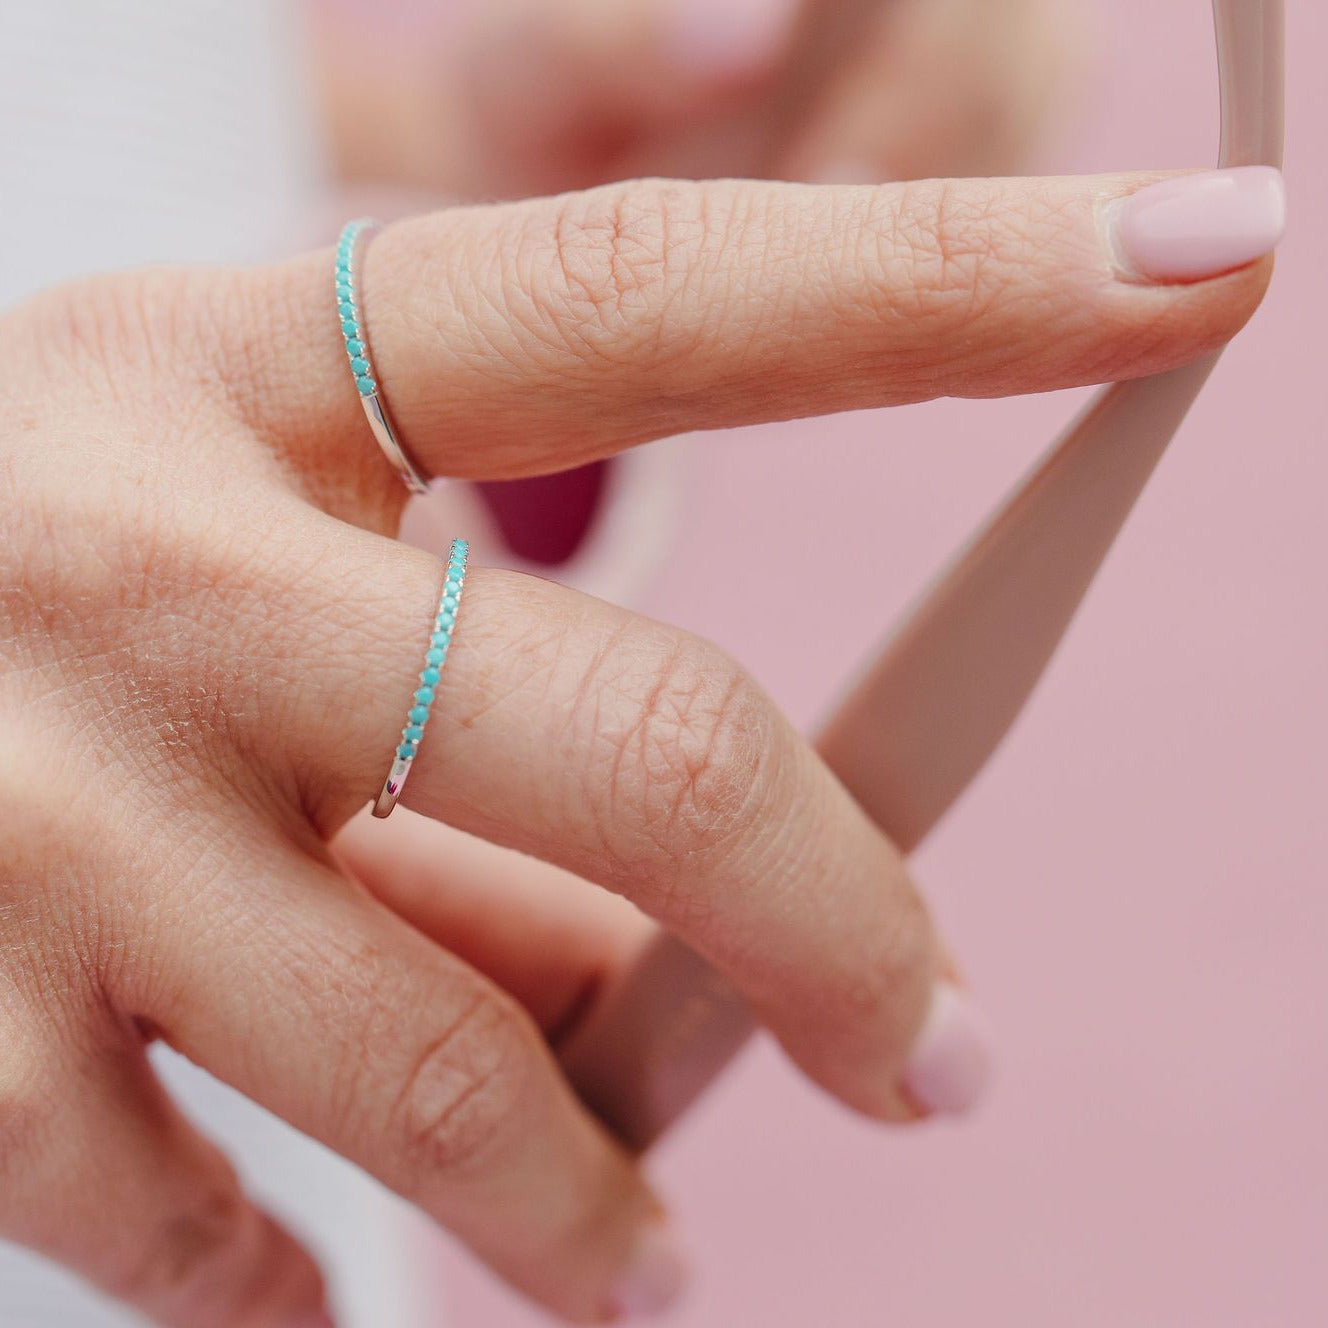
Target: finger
[[549, 940], [645, 760], [590, 969], [517, 339], [103, 1174], [323, 1006]]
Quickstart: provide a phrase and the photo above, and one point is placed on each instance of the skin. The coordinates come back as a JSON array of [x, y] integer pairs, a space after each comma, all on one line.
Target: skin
[[207, 634]]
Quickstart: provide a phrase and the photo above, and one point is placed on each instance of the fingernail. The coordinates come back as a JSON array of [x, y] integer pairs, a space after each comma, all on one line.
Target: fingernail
[[1199, 226], [721, 38], [951, 1061], [654, 1276]]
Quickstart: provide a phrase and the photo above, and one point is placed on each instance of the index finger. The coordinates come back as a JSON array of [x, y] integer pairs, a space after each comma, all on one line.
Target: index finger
[[529, 337]]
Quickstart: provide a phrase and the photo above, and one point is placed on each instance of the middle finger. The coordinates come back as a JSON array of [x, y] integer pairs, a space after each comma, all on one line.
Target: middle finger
[[637, 757]]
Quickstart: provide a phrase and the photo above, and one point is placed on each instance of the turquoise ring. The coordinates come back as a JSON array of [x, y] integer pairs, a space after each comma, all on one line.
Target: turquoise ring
[[440, 641], [351, 247]]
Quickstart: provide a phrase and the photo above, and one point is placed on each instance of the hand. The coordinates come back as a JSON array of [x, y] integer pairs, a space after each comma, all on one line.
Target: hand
[[531, 96], [207, 640]]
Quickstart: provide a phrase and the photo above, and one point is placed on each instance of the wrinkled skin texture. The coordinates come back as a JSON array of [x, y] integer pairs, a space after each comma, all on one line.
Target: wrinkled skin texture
[[207, 636]]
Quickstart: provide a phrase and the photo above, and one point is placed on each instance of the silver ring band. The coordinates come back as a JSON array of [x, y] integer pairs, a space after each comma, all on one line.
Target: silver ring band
[[351, 248], [440, 641]]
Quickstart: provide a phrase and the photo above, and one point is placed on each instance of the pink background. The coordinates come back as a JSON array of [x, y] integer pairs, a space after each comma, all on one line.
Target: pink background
[[1136, 883]]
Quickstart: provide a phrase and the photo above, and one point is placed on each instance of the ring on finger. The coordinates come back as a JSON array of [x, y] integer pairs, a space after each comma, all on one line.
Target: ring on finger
[[351, 248], [440, 640]]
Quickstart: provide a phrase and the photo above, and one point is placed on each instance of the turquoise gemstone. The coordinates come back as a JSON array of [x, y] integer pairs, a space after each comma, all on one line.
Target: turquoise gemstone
[[355, 346], [406, 751], [366, 385], [429, 677], [442, 626], [418, 714], [450, 602], [435, 656], [424, 695], [350, 327], [440, 639], [359, 365], [415, 733], [347, 309]]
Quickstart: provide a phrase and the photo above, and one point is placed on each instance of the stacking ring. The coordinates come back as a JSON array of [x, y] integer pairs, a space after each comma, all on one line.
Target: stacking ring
[[354, 241], [440, 639]]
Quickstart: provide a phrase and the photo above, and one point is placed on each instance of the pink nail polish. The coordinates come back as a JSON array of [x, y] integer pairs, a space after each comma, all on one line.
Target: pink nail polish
[[950, 1064], [654, 1276], [728, 38], [1199, 226]]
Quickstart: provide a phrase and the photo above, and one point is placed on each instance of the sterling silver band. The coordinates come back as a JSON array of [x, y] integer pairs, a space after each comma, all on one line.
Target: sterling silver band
[[351, 249], [440, 641]]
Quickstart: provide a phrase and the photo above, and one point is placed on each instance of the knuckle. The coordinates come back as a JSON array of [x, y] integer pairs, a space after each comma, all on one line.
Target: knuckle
[[942, 247], [606, 269], [462, 1095], [113, 324], [689, 758]]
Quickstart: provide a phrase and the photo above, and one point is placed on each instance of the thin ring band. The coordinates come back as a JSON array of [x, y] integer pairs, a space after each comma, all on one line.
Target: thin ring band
[[440, 639], [355, 237]]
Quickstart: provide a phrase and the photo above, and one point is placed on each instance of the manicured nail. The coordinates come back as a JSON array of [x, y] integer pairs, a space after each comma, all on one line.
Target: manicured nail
[[950, 1065], [1200, 226], [654, 1276], [726, 38]]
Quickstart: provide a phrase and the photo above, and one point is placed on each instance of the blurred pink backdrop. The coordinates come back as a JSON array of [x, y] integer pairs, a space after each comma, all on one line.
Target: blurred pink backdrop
[[1137, 882]]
